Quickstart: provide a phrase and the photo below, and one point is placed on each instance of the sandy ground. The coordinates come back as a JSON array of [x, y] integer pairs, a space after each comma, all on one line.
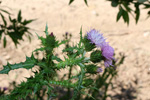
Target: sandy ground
[[132, 40]]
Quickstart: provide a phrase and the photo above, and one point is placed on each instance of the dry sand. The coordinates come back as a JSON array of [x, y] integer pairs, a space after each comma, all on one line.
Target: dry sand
[[133, 40]]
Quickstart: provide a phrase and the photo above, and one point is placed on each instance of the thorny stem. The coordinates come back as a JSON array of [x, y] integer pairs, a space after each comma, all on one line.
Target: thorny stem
[[70, 70], [81, 76]]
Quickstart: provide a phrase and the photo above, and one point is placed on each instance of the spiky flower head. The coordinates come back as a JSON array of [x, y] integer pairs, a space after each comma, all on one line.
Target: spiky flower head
[[96, 56], [96, 38], [107, 52]]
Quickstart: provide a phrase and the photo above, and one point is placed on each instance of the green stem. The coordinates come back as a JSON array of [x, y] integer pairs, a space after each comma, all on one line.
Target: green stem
[[81, 76], [78, 88], [70, 70]]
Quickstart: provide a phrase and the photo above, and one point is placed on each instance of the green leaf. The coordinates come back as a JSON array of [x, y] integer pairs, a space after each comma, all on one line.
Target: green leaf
[[46, 30], [3, 18], [56, 58], [62, 42], [10, 19], [1, 31], [80, 37], [28, 64], [69, 62], [125, 16], [4, 42], [39, 49], [5, 11], [64, 83], [86, 2], [19, 16], [146, 6], [70, 1], [114, 3], [119, 13], [141, 1], [137, 12], [25, 22], [128, 9]]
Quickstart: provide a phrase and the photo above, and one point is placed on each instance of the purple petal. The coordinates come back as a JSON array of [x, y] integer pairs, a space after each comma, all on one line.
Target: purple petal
[[95, 37], [107, 52], [108, 63], [99, 70]]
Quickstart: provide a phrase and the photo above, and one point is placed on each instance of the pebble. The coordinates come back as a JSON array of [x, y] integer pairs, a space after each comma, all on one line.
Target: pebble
[[146, 34]]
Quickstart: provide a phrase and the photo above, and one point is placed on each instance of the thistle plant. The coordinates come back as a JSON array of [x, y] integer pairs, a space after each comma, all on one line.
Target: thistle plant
[[90, 64]]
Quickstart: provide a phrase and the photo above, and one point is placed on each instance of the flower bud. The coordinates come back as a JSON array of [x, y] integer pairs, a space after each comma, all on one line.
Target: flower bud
[[92, 69], [52, 34], [96, 56], [88, 45]]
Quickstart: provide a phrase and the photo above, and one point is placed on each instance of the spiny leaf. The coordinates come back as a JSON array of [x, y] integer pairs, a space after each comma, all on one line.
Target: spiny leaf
[[39, 49], [56, 58], [28, 64], [46, 30], [80, 37], [64, 83], [62, 42], [32, 85], [69, 62]]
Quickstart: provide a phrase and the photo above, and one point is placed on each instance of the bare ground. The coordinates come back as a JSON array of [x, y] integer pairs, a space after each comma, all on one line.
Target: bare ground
[[132, 40]]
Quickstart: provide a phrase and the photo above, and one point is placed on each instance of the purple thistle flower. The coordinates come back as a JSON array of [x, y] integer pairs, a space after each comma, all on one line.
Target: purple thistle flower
[[99, 70], [52, 34], [107, 63], [5, 88], [95, 37], [107, 52]]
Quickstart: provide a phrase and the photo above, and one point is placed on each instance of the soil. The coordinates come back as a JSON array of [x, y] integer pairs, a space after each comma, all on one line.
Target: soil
[[132, 40]]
